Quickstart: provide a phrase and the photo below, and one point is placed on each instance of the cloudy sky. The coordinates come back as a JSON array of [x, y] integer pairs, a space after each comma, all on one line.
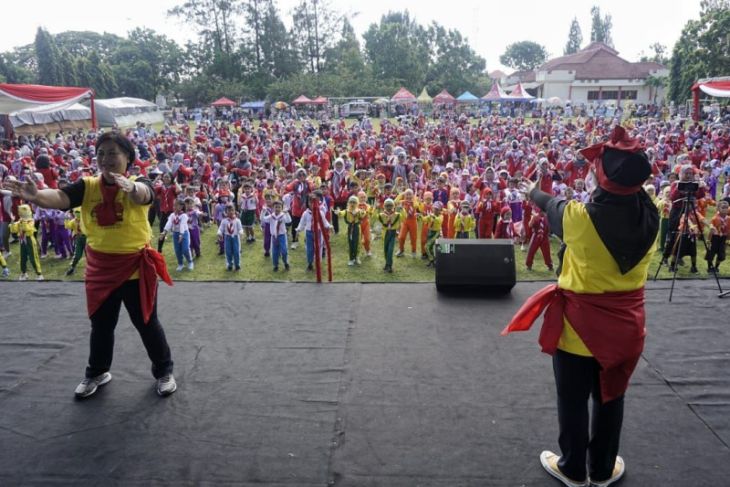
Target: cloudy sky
[[489, 26]]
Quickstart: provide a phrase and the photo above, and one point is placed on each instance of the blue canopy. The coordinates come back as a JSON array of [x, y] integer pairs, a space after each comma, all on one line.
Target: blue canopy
[[254, 105], [467, 97]]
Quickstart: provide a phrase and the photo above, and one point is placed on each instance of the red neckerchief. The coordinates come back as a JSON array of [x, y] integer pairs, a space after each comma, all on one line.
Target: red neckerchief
[[230, 228], [176, 219], [108, 212]]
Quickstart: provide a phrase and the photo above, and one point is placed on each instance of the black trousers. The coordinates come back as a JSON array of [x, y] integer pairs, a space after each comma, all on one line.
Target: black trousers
[[104, 321], [335, 218], [576, 379]]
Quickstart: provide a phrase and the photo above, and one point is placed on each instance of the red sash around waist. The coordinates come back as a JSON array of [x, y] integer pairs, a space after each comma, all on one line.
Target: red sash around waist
[[611, 325], [106, 272]]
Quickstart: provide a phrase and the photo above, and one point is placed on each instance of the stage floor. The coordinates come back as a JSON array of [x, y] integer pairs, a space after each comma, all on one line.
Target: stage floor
[[297, 384]]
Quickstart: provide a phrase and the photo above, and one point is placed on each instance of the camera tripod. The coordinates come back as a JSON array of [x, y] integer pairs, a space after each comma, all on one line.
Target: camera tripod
[[688, 208]]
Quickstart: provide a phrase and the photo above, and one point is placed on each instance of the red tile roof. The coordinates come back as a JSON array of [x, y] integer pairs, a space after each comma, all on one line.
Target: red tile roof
[[599, 61]]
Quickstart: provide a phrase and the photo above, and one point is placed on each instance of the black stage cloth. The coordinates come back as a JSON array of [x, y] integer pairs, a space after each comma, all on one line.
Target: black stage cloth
[[293, 384]]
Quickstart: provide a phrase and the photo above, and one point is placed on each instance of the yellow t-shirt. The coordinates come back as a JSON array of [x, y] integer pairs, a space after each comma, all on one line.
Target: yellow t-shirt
[[588, 267], [129, 234]]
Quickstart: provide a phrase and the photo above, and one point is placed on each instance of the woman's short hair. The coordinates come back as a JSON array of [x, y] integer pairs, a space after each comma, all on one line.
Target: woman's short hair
[[121, 141]]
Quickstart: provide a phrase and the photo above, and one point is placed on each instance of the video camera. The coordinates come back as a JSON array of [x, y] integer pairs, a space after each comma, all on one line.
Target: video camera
[[688, 186]]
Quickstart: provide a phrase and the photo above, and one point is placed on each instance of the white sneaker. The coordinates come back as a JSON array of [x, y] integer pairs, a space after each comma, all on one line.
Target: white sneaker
[[618, 471], [413, 255], [549, 461], [166, 385], [358, 261], [399, 254], [23, 277], [369, 254], [179, 268], [350, 262], [39, 278], [89, 386], [191, 266], [6, 272], [294, 245]]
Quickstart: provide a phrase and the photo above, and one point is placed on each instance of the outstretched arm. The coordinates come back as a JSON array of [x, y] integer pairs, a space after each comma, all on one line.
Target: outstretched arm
[[45, 198]]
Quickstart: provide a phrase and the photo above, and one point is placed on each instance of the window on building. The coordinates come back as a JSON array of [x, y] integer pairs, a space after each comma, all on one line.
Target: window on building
[[610, 95]]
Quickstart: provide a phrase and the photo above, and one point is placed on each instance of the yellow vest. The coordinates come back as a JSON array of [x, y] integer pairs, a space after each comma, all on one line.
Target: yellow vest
[[588, 267], [127, 236]]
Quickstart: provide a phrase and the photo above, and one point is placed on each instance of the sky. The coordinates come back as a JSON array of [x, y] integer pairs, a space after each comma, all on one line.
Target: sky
[[489, 27]]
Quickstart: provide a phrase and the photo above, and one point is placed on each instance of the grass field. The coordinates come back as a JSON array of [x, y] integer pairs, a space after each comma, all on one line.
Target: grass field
[[255, 267]]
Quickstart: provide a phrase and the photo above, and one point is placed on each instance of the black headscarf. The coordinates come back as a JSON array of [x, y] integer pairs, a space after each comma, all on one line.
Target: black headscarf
[[627, 225]]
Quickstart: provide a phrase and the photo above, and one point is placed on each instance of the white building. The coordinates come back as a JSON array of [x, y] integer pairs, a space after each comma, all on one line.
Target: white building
[[593, 74]]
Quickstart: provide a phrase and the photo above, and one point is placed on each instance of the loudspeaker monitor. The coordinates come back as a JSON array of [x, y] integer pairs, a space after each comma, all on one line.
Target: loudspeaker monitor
[[479, 263]]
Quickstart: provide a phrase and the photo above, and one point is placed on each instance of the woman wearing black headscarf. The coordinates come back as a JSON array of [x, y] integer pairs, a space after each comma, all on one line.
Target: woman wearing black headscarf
[[594, 316]]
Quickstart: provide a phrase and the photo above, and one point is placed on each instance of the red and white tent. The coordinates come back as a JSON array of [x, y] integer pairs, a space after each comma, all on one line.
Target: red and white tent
[[320, 100], [520, 93], [403, 96], [717, 87], [52, 98], [223, 102], [444, 98], [496, 93], [301, 100]]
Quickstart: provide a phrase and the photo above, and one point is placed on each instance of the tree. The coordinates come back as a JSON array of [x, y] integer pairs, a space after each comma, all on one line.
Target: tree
[[524, 55], [398, 49], [575, 38], [701, 50], [50, 68], [216, 23], [454, 64], [12, 71], [345, 56], [269, 46], [601, 27], [318, 24], [659, 56]]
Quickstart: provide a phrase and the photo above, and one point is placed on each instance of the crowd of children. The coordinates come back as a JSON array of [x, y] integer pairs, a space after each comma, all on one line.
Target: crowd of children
[[406, 184]]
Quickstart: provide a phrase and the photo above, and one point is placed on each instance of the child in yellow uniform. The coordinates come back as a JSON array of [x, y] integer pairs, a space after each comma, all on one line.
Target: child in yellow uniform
[[352, 216], [74, 224], [433, 223], [25, 229], [464, 222], [390, 220]]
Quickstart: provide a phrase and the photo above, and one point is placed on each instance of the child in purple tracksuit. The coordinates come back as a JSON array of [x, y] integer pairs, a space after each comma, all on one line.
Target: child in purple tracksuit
[[61, 236], [46, 225], [194, 215]]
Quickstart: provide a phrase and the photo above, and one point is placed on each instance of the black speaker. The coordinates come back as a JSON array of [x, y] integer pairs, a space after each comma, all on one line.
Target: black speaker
[[476, 263]]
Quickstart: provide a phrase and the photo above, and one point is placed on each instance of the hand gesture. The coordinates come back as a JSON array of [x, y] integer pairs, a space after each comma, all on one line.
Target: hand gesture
[[526, 186], [26, 190], [124, 183]]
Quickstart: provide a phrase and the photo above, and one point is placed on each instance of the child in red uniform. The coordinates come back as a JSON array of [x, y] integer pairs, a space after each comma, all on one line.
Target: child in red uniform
[[719, 231], [540, 239], [486, 209]]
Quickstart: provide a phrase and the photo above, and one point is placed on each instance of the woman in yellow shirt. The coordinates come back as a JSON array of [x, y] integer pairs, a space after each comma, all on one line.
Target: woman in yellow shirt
[[121, 266]]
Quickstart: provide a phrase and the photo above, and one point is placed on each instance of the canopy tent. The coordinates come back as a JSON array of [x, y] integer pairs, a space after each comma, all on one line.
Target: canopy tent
[[554, 101], [496, 93], [301, 100], [403, 96], [41, 120], [223, 102], [381, 101], [424, 98], [126, 112], [444, 98], [467, 97], [14, 98], [717, 87], [254, 106], [320, 100], [520, 94]]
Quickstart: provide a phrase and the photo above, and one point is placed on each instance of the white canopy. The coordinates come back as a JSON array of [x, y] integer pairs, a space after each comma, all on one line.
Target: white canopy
[[126, 112]]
